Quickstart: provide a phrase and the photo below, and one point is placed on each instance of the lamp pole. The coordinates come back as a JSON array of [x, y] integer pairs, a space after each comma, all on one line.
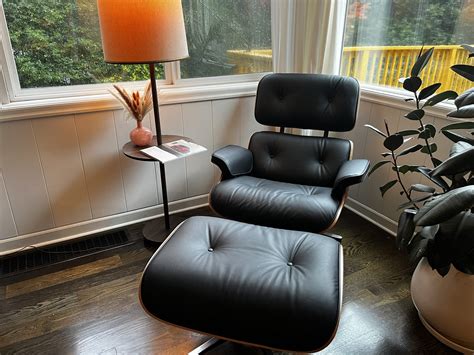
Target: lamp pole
[[159, 142]]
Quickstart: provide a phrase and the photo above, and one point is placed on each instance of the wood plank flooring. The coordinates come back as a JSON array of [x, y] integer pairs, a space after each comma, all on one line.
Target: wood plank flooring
[[90, 306]]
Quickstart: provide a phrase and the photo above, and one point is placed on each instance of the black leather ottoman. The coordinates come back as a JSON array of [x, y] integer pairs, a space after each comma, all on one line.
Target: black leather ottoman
[[268, 287]]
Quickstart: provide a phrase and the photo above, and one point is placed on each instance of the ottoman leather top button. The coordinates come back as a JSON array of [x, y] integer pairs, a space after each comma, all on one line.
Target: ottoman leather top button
[[210, 250], [289, 263]]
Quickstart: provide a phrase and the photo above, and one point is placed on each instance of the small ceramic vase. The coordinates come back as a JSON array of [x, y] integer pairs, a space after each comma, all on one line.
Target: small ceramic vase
[[141, 136]]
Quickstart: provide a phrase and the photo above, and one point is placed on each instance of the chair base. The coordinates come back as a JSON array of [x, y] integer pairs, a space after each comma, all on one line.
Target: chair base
[[215, 346]]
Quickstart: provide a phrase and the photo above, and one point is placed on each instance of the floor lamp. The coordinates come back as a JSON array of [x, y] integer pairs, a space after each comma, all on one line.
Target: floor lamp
[[144, 32]]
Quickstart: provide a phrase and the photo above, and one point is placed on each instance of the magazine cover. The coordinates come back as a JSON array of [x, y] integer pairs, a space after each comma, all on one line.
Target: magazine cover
[[173, 150]]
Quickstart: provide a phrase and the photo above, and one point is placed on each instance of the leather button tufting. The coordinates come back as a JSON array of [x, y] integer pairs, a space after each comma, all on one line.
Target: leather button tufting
[[289, 263], [210, 250]]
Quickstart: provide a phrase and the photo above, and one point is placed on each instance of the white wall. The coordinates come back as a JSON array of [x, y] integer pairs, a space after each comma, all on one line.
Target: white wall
[[64, 176]]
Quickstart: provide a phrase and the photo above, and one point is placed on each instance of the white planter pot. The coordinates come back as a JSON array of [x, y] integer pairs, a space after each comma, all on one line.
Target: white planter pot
[[445, 305]]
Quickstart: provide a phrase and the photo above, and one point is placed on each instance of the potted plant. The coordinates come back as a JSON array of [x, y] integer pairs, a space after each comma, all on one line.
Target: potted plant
[[437, 229]]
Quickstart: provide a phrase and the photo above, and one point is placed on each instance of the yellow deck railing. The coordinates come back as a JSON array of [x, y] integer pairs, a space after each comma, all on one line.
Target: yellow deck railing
[[378, 65]]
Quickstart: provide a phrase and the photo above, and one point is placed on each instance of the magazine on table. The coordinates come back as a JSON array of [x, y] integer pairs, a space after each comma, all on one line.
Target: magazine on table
[[173, 150]]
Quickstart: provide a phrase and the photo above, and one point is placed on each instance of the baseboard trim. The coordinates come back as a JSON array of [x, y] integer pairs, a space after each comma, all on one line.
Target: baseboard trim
[[374, 217], [72, 231]]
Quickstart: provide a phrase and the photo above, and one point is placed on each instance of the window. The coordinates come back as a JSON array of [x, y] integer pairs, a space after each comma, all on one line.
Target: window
[[57, 43], [383, 39], [227, 37]]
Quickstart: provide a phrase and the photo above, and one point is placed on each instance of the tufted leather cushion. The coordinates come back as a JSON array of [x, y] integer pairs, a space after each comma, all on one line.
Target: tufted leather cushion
[[308, 101], [276, 204], [274, 288], [298, 159]]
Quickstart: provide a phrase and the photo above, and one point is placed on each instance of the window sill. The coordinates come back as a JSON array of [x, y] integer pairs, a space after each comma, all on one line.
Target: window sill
[[168, 94], [395, 98]]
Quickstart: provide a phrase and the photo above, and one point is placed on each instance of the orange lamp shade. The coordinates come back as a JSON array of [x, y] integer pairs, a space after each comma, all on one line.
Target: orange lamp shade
[[142, 31]]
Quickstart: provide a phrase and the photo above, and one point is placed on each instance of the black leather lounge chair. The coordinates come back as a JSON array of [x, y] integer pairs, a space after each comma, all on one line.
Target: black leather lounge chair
[[290, 181]]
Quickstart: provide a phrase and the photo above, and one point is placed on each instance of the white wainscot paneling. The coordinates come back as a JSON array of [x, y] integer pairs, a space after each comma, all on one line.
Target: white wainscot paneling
[[7, 223], [23, 177], [172, 124], [62, 166], [101, 159], [139, 178], [197, 120]]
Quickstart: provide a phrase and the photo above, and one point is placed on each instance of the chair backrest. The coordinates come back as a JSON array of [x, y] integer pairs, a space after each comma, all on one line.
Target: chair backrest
[[308, 101], [297, 159]]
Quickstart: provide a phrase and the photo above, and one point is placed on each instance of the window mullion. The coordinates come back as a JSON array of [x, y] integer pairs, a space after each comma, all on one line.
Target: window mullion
[[9, 80], [172, 72]]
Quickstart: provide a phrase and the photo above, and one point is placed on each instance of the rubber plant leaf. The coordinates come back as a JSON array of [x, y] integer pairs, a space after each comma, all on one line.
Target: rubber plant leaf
[[422, 188], [466, 71], [410, 150], [428, 91], [458, 163], [383, 189], [454, 137], [378, 165], [412, 84], [393, 142], [445, 95], [445, 206], [421, 62], [415, 115], [405, 228]]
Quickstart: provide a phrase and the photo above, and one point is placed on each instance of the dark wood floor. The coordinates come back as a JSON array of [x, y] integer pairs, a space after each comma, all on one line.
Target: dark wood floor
[[91, 306]]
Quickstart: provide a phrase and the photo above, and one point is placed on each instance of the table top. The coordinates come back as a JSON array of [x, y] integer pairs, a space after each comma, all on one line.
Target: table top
[[132, 151]]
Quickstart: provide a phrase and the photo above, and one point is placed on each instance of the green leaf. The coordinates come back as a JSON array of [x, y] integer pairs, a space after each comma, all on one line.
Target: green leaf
[[422, 188], [383, 189], [375, 130], [458, 163], [421, 62], [393, 142], [466, 71], [461, 125], [405, 229], [432, 129], [435, 161], [413, 201], [412, 84], [418, 249], [445, 206], [408, 100], [454, 137], [436, 179], [408, 132], [415, 115], [464, 99], [463, 112], [412, 149], [445, 95], [386, 154], [378, 165], [408, 168], [428, 91], [433, 149]]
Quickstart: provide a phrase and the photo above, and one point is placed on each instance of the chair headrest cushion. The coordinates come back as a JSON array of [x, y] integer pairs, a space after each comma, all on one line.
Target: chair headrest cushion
[[308, 101]]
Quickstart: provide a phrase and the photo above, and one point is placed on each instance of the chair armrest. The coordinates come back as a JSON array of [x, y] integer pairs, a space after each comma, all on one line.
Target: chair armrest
[[233, 161], [350, 173]]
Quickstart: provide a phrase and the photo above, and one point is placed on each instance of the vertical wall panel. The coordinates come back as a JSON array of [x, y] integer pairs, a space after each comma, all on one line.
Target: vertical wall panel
[[101, 159], [197, 119], [172, 123], [23, 177], [139, 178], [227, 120], [62, 166], [248, 124], [7, 224]]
